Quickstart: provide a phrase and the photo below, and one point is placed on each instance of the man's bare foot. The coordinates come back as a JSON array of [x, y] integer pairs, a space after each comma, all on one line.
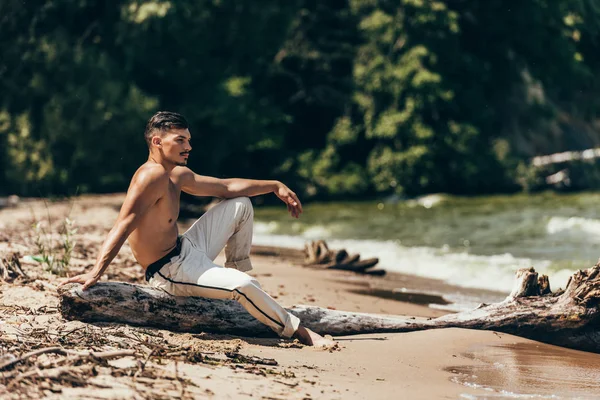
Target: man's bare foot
[[310, 338]]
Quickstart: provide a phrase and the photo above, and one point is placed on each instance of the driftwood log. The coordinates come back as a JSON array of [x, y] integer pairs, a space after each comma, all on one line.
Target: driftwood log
[[569, 318], [559, 158], [10, 201], [146, 306], [317, 254], [10, 268]]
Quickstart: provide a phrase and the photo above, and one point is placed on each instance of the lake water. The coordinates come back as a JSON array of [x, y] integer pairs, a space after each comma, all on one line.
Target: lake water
[[466, 242]]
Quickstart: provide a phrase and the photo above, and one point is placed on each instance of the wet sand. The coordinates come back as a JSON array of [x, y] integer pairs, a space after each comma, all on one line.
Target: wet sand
[[530, 369]]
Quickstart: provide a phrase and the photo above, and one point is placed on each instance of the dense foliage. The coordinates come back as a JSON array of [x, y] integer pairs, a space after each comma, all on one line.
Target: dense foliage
[[340, 98]]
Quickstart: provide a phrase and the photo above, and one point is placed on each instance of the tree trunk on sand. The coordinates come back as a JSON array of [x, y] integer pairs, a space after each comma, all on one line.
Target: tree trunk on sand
[[146, 306], [569, 318]]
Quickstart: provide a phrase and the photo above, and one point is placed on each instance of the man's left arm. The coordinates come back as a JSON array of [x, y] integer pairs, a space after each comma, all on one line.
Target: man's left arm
[[199, 185]]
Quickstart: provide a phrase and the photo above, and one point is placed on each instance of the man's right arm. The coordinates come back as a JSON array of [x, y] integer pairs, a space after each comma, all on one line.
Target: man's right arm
[[146, 189]]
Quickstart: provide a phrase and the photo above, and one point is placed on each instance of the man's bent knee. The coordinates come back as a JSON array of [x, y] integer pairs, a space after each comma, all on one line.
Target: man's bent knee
[[243, 206], [244, 202]]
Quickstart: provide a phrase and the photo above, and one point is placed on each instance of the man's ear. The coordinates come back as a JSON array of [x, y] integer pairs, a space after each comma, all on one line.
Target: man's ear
[[157, 141]]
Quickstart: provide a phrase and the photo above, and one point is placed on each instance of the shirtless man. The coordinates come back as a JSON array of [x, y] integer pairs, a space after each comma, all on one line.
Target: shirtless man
[[183, 265]]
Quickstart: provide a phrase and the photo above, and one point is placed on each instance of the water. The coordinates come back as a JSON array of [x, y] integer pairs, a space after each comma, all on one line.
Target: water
[[469, 242]]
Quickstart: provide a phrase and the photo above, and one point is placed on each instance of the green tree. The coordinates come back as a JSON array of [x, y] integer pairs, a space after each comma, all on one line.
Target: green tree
[[449, 95], [343, 98]]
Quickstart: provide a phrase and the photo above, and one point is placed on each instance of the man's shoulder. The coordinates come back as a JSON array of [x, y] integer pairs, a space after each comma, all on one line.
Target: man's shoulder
[[180, 173], [181, 170], [150, 174]]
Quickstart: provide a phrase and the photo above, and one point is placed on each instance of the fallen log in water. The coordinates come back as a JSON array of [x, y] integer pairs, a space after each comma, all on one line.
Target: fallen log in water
[[317, 254], [569, 318], [559, 158]]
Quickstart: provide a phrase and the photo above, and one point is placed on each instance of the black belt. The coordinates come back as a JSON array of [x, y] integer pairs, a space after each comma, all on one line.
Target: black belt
[[157, 265]]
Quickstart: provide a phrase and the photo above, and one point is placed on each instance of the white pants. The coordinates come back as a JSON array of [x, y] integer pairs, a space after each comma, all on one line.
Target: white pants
[[193, 273]]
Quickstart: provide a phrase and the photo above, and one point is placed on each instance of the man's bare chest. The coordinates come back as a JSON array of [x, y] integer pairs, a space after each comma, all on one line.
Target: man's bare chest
[[167, 207]]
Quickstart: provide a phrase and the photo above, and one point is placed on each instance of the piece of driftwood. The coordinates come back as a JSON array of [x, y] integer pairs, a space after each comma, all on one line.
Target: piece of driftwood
[[10, 268], [559, 158], [146, 306], [569, 318], [79, 355], [10, 201], [316, 254]]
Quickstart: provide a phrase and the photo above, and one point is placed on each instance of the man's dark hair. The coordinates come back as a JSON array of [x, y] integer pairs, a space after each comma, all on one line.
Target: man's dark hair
[[163, 121]]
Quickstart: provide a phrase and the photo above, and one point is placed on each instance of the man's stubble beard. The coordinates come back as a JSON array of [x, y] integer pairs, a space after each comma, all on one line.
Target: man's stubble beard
[[179, 163]]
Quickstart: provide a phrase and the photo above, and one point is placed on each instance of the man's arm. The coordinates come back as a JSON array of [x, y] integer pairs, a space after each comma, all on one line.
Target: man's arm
[[146, 189], [199, 185]]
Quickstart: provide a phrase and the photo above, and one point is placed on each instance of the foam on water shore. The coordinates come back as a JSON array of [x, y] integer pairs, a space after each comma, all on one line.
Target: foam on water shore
[[572, 225], [460, 268]]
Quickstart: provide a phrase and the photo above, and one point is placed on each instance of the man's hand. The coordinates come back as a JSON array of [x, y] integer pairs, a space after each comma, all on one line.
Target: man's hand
[[290, 199], [87, 280]]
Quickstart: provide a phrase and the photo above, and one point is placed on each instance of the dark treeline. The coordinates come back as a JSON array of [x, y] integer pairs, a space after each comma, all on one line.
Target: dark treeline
[[338, 98]]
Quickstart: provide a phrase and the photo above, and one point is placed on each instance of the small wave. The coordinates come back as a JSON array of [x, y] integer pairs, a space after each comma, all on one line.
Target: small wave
[[495, 272], [304, 232], [265, 227], [586, 225], [316, 232]]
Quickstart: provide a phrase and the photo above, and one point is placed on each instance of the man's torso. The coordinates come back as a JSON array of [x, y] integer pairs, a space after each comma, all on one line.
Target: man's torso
[[156, 233]]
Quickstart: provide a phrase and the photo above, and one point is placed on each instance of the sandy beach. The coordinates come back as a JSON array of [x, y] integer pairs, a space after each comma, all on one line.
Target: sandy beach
[[420, 365]]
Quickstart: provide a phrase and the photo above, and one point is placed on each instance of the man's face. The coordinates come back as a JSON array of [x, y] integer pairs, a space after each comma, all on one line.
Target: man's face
[[175, 146]]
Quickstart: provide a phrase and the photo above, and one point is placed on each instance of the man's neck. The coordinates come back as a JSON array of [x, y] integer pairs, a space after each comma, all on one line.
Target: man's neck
[[168, 166]]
